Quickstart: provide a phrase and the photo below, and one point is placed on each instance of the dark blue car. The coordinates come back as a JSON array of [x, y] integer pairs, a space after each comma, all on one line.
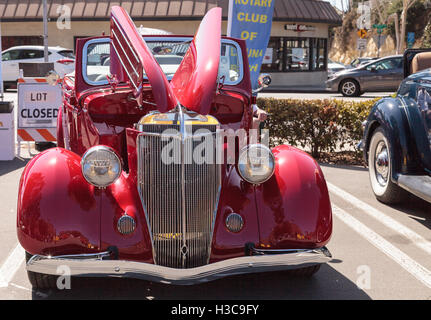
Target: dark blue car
[[397, 136]]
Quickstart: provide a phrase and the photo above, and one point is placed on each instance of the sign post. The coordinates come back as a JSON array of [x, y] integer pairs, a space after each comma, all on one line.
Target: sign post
[[251, 21], [379, 28], [45, 30]]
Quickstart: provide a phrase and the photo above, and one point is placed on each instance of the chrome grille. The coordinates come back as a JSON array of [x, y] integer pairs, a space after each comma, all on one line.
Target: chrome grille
[[179, 199]]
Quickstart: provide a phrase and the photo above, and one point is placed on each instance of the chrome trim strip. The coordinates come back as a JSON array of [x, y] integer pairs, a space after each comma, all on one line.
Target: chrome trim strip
[[125, 38], [213, 222], [124, 52], [124, 67], [92, 265]]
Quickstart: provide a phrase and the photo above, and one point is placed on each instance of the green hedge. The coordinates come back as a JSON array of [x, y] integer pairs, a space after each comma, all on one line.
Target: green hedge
[[321, 126]]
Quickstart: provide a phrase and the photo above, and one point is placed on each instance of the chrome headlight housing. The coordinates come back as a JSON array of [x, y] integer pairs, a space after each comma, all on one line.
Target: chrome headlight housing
[[256, 163], [101, 166]]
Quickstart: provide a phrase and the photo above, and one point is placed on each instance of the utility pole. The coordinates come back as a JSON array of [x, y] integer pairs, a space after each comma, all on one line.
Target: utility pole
[[45, 30]]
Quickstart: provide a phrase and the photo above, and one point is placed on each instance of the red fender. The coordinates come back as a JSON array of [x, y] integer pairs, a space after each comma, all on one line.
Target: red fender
[[237, 196], [294, 206], [58, 211], [119, 198]]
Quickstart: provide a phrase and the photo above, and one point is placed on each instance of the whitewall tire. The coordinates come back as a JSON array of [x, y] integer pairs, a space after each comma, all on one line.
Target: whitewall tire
[[380, 169]]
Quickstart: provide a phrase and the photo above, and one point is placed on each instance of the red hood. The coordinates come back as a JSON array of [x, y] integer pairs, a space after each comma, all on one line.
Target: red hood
[[194, 83]]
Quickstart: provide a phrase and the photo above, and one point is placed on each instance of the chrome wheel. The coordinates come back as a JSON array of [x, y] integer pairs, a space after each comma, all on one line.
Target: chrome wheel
[[348, 88], [381, 163]]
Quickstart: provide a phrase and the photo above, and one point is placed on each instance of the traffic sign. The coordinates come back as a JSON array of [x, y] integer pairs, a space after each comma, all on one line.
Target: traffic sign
[[38, 104], [362, 33], [361, 44], [410, 39], [379, 27]]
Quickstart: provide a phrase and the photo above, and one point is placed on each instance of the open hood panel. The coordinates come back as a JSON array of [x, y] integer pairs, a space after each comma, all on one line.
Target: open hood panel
[[194, 83], [130, 50]]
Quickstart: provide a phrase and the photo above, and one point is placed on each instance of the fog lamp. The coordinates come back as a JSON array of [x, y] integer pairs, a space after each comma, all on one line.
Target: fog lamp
[[234, 222], [101, 166], [256, 163], [126, 224]]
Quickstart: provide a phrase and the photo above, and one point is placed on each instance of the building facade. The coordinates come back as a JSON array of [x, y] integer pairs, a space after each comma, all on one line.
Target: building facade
[[296, 55]]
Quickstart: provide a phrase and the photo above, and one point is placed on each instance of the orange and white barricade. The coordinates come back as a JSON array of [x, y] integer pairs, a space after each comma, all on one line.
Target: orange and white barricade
[[38, 104]]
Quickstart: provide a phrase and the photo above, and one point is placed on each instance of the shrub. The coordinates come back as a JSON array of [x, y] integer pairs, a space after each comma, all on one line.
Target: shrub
[[317, 125]]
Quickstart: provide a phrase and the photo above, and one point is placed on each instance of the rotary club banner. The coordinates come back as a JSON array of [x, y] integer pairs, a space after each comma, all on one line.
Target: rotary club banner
[[251, 21]]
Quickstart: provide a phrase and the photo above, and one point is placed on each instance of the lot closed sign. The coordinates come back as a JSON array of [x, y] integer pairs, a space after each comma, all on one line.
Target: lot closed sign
[[251, 20], [38, 105]]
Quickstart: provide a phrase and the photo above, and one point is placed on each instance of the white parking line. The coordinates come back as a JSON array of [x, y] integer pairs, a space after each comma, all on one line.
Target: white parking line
[[11, 265], [415, 238], [410, 265]]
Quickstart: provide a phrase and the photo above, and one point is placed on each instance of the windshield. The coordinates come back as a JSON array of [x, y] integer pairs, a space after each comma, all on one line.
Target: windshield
[[168, 52]]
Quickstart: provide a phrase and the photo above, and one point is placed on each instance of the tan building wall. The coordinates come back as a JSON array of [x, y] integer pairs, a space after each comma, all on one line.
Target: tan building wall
[[65, 38]]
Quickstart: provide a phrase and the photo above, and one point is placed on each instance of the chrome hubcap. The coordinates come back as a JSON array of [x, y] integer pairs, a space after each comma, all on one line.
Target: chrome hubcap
[[349, 88], [381, 163]]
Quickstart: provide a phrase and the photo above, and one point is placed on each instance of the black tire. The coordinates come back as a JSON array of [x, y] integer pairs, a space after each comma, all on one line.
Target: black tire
[[350, 88], [380, 169], [305, 272], [40, 280], [42, 146]]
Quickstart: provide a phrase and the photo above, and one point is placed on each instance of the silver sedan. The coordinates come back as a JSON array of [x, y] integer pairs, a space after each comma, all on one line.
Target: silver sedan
[[384, 74]]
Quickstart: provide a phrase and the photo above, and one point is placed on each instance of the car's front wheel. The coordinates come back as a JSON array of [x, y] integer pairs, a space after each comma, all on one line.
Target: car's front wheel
[[380, 169], [350, 88]]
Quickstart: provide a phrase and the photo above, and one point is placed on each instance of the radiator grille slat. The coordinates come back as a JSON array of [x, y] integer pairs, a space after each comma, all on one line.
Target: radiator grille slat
[[160, 188]]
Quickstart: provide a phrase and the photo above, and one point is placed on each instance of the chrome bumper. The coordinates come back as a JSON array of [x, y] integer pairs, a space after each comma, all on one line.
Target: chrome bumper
[[94, 265]]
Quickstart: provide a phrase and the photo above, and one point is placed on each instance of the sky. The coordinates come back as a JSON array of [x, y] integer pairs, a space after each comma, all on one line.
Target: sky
[[338, 3]]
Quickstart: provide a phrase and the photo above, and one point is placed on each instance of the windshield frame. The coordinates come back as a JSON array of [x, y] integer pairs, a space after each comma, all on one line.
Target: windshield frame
[[161, 39]]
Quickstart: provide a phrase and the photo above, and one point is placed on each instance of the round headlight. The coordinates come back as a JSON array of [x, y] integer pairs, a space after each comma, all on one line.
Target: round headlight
[[101, 166], [256, 163]]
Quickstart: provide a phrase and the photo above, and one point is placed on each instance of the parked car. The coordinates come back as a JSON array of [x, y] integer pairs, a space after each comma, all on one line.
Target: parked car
[[334, 67], [134, 198], [64, 60], [384, 74], [397, 136], [360, 61]]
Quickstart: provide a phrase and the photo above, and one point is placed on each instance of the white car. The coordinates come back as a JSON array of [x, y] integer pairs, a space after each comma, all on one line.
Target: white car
[[334, 67], [64, 60]]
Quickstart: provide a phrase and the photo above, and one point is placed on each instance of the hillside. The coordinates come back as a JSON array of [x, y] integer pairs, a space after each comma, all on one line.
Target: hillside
[[343, 44]]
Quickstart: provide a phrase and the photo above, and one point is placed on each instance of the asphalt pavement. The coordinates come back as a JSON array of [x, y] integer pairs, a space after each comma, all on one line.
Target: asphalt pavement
[[379, 252]]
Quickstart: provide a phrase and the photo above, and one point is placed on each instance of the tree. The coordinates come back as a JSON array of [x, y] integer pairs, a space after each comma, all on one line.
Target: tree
[[406, 5], [399, 22]]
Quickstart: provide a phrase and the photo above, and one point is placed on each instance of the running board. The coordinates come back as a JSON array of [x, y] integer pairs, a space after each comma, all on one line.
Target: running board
[[420, 186]]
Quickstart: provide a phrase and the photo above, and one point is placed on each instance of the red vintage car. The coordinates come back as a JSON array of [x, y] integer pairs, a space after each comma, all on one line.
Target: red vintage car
[[106, 202]]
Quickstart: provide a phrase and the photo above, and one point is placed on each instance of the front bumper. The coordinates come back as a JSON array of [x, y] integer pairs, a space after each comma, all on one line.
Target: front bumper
[[332, 85], [95, 265]]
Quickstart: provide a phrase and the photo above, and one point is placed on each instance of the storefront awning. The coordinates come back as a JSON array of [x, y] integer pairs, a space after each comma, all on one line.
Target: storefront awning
[[285, 10]]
